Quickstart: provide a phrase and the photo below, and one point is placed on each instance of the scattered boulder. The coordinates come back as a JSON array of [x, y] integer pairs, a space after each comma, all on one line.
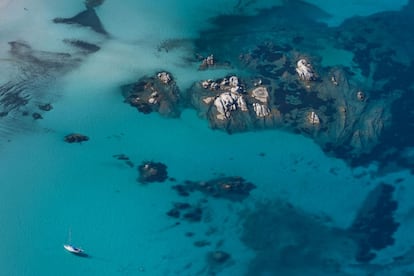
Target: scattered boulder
[[305, 70], [46, 107], [37, 116], [233, 188], [86, 47], [158, 93], [76, 138], [152, 172], [218, 256]]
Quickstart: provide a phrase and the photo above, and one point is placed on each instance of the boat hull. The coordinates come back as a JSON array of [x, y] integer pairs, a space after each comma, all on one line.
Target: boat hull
[[74, 250]]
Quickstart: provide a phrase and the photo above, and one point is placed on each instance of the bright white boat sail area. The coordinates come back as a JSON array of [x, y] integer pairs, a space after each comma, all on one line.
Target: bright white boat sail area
[[73, 249]]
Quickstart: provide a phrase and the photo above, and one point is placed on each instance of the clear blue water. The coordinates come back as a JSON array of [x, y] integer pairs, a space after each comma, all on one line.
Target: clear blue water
[[50, 188]]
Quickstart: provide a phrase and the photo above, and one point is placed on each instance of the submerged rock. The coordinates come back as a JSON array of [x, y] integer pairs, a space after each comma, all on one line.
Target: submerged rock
[[76, 138], [46, 107], [218, 256], [154, 94], [83, 45], [87, 18], [233, 188], [93, 3], [374, 225], [152, 172]]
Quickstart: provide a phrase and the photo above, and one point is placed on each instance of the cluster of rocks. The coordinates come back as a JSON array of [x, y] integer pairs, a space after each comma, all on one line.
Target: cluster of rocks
[[190, 213], [158, 93], [152, 172], [305, 70], [230, 105], [76, 138], [207, 62], [233, 188], [125, 158]]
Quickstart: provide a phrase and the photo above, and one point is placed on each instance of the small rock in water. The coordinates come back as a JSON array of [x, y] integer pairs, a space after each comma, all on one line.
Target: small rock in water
[[76, 138], [152, 172], [219, 257]]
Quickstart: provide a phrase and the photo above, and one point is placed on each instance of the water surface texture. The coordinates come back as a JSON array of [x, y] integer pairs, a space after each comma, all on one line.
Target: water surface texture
[[221, 137]]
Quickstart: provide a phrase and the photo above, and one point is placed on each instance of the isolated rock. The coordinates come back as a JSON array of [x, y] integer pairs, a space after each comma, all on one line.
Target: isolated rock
[[152, 172], [158, 93], [76, 138]]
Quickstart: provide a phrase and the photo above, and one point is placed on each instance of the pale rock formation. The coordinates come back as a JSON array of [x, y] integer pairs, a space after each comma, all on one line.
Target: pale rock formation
[[261, 94], [227, 102], [233, 81], [164, 77], [261, 110], [304, 70], [313, 118], [208, 100]]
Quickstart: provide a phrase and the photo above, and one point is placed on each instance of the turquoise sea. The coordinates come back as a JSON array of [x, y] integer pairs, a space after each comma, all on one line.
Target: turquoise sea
[[298, 219]]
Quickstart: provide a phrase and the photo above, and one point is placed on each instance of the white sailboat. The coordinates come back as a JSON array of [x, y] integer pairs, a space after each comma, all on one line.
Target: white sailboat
[[73, 249]]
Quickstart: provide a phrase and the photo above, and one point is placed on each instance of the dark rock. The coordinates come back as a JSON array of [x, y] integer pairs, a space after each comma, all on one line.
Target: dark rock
[[121, 156], [37, 116], [234, 188], [202, 243], [181, 190], [181, 205], [154, 94], [46, 107], [76, 138], [152, 172], [93, 3], [83, 45], [194, 214], [87, 18], [219, 256], [175, 213]]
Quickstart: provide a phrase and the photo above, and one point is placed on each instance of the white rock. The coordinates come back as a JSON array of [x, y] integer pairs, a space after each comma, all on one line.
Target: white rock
[[224, 82], [227, 102], [260, 93], [304, 70], [261, 110], [164, 77], [152, 100], [313, 118], [205, 84], [241, 103], [234, 89], [208, 100], [233, 81]]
